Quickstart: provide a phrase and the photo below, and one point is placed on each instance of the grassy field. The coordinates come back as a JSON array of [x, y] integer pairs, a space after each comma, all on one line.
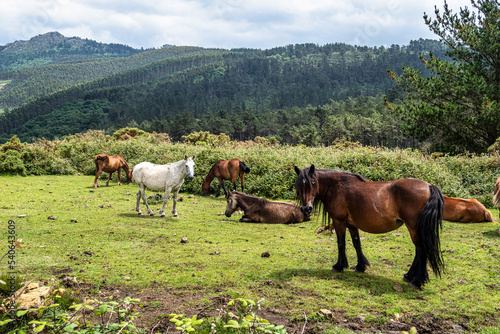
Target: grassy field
[[98, 238]]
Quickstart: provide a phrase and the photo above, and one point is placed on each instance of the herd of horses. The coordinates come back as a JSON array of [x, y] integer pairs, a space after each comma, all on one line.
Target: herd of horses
[[349, 202]]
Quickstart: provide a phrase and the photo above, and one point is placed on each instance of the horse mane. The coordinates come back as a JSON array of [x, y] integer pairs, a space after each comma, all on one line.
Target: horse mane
[[358, 176], [211, 169], [318, 203]]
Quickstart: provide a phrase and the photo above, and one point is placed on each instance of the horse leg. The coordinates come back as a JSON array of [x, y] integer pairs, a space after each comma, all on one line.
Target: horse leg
[[242, 176], [138, 206], [417, 275], [174, 201], [96, 183], [142, 194], [362, 261], [109, 179], [119, 176], [165, 200], [342, 258]]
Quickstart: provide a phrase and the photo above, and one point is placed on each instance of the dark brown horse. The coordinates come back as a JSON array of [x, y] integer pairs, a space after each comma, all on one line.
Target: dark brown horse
[[225, 170], [111, 164], [465, 210], [261, 210], [354, 203]]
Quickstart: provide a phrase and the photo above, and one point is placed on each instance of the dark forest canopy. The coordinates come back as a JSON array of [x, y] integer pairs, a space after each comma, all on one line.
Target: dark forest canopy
[[293, 93]]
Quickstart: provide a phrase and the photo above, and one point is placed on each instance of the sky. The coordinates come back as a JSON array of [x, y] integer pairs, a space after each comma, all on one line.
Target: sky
[[225, 24]]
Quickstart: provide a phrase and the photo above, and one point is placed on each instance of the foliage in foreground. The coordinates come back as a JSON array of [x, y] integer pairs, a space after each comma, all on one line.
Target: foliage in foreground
[[272, 173]]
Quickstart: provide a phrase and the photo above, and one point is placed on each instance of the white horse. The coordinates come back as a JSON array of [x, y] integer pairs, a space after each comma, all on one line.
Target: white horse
[[168, 178]]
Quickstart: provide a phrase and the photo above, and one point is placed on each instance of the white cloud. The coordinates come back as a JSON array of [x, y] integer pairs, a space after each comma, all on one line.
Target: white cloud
[[222, 23]]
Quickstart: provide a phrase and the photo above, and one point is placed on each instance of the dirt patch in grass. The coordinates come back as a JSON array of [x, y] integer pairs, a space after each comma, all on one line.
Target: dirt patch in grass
[[158, 301]]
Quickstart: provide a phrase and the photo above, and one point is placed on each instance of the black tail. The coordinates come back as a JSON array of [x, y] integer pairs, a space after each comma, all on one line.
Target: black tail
[[429, 226], [244, 168]]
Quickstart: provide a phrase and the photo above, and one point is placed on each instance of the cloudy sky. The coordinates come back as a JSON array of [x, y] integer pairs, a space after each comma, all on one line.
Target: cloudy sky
[[222, 23]]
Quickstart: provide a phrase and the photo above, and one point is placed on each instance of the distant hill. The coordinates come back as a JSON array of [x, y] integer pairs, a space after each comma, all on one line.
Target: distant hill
[[182, 84], [52, 47]]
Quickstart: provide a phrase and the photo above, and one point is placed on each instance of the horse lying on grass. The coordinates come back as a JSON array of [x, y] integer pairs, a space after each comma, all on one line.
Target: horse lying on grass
[[111, 164], [225, 170], [465, 210], [261, 210], [168, 178]]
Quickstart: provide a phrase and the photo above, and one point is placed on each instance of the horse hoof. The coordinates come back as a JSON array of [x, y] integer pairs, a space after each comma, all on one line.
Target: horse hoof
[[139, 213], [151, 214], [416, 286], [335, 270], [176, 215], [162, 215], [406, 278]]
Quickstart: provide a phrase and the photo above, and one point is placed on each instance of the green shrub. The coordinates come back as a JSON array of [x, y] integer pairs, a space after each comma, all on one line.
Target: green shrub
[[11, 162]]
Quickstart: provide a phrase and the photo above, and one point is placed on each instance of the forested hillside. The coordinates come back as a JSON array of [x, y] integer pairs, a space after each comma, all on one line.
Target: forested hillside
[[185, 89], [53, 48]]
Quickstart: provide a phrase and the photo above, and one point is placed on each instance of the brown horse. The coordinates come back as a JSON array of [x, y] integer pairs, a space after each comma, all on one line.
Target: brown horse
[[496, 194], [353, 203], [225, 170], [261, 210], [465, 210], [111, 164]]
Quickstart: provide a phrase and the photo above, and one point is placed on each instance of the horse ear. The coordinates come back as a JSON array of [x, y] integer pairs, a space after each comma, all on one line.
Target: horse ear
[[297, 170], [194, 156], [312, 169], [185, 157]]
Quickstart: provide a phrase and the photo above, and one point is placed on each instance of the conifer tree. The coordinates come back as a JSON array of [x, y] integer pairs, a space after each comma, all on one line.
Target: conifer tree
[[458, 106]]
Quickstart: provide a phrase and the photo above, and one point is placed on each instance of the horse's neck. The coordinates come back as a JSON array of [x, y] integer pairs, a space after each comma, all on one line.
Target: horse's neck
[[327, 181], [211, 175], [179, 167], [125, 165], [246, 201]]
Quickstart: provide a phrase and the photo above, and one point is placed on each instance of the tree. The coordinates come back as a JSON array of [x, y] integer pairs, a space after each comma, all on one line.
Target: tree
[[458, 105]]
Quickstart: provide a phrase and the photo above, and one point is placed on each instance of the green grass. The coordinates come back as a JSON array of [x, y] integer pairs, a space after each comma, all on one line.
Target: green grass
[[110, 245]]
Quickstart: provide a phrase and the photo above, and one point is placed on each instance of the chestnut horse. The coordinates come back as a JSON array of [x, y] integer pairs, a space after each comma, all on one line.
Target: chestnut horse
[[465, 210], [261, 210], [111, 164], [353, 203], [225, 170]]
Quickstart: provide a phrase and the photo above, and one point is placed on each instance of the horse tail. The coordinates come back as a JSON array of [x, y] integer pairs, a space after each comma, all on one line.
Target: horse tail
[[429, 226], [488, 216], [244, 168]]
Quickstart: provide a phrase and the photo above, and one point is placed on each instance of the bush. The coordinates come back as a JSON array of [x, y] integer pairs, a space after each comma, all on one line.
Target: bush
[[12, 163]]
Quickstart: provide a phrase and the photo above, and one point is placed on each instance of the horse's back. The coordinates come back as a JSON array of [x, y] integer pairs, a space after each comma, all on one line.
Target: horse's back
[[153, 176]]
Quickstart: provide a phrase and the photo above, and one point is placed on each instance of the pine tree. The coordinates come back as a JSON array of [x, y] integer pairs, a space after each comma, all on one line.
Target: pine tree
[[458, 106]]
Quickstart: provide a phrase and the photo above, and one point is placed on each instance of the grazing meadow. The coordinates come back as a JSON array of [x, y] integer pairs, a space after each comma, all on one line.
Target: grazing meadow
[[195, 263]]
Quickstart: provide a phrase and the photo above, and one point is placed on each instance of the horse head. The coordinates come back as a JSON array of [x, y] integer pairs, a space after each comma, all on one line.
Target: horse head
[[129, 175], [189, 166], [205, 187], [306, 188], [232, 203]]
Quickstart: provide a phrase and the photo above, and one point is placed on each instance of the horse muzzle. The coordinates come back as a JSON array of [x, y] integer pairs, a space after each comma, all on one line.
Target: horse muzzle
[[306, 210], [227, 213], [190, 178]]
